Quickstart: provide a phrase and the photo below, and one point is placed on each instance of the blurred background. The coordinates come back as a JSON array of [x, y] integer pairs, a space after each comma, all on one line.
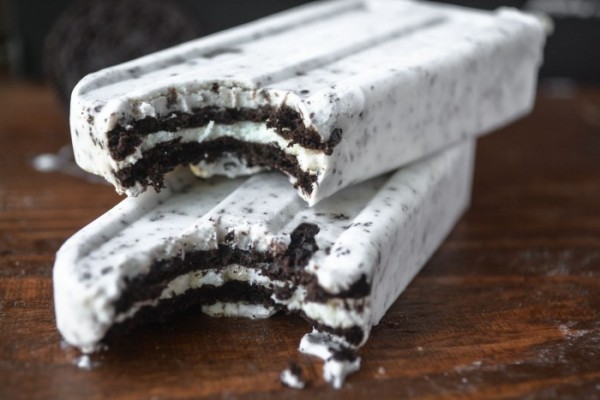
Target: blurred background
[[62, 40]]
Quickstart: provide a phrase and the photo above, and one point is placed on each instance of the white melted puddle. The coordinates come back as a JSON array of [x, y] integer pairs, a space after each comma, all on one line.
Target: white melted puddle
[[63, 162]]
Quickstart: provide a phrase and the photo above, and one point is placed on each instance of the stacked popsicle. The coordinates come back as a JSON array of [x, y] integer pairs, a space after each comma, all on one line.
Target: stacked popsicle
[[369, 107]]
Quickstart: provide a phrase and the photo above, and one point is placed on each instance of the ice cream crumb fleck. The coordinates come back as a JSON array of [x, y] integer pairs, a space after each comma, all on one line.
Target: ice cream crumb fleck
[[85, 362], [292, 377]]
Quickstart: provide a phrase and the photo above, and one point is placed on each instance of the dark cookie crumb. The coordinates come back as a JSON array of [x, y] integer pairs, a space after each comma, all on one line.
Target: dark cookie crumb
[[172, 97]]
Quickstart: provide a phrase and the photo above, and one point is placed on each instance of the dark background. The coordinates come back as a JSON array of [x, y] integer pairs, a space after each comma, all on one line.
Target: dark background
[[572, 52]]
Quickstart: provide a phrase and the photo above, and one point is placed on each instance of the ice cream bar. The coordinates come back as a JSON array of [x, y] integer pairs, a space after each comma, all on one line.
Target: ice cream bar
[[251, 247], [331, 94]]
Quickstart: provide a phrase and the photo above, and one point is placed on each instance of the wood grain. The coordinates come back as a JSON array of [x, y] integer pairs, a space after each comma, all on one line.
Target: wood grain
[[508, 307]]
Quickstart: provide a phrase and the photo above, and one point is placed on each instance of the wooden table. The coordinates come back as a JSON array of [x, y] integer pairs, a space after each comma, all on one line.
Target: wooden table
[[509, 306]]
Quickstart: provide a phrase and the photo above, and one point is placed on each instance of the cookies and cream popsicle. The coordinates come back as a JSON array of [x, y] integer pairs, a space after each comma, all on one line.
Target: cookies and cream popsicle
[[251, 247], [331, 94]]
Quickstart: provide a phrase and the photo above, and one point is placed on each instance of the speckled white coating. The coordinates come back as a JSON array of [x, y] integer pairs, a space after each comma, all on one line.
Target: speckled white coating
[[400, 78], [384, 230]]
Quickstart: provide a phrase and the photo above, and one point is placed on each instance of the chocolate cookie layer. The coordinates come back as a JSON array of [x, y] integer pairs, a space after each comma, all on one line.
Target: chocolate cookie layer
[[164, 157], [286, 122]]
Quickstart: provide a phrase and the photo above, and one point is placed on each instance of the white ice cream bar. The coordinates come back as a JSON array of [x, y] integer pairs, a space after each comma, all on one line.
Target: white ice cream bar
[[331, 93], [251, 247]]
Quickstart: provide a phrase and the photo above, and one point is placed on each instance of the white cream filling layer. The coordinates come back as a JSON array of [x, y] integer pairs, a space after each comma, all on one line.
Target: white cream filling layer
[[312, 161], [252, 311]]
